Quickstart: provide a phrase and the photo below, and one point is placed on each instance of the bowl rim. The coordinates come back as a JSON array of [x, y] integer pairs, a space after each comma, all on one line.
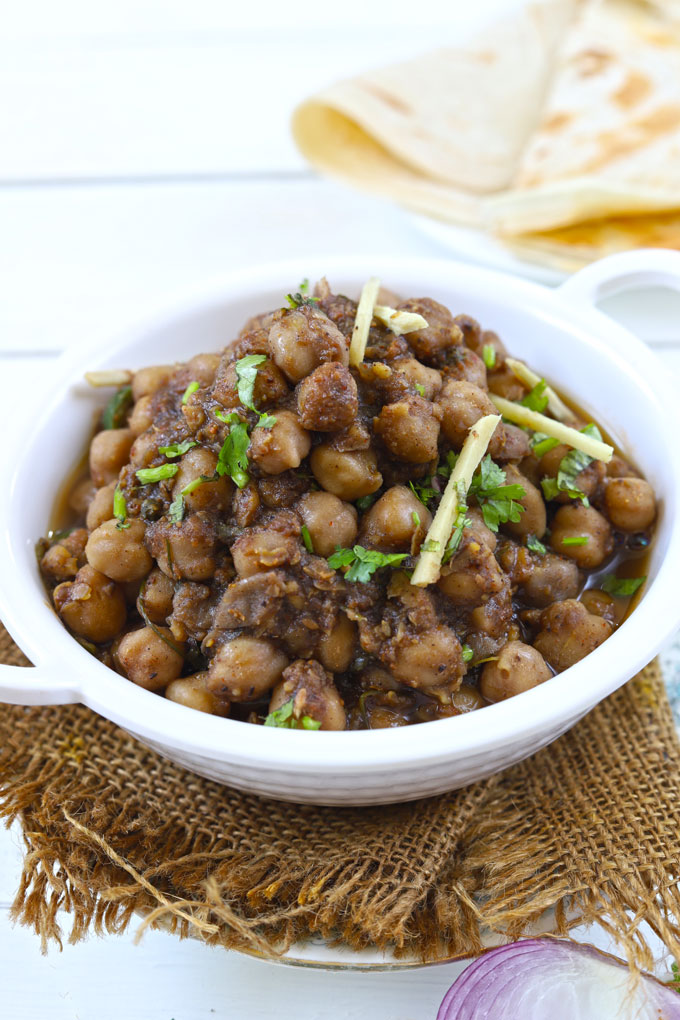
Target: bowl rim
[[547, 708]]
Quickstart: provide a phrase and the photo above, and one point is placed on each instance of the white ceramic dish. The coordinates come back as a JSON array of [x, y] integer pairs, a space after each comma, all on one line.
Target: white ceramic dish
[[559, 333]]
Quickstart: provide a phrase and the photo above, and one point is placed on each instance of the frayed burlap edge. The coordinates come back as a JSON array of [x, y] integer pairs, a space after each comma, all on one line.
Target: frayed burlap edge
[[587, 828]]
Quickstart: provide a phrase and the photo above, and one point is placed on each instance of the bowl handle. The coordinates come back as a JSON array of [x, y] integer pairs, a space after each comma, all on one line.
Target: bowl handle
[[35, 685], [642, 267]]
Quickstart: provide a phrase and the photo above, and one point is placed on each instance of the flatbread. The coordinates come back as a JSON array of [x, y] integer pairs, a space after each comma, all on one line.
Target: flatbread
[[440, 132], [609, 140]]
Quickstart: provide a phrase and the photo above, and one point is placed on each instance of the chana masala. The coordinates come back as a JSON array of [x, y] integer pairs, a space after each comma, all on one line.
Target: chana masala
[[356, 515]]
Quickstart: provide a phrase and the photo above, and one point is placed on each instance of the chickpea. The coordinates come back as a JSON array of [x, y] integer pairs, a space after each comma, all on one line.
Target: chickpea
[[509, 442], [329, 520], [314, 695], [203, 368], [577, 521], [144, 449], [304, 338], [226, 382], [245, 669], [478, 530], [569, 633], [185, 550], [150, 658], [327, 400], [394, 520], [462, 404], [468, 365], [192, 692], [620, 468], [441, 333], [477, 339], [82, 495], [472, 575], [336, 649], [101, 507], [630, 503], [109, 452], [409, 429], [587, 481], [600, 603], [432, 658], [429, 379], [256, 551], [245, 504], [281, 447], [141, 416], [552, 579], [347, 474], [517, 668], [147, 380], [467, 699], [119, 553], [197, 463], [504, 383], [92, 605], [532, 520], [62, 560], [156, 596]]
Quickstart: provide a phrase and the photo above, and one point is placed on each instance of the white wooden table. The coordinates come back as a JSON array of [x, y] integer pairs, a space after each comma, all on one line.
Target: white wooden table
[[145, 147]]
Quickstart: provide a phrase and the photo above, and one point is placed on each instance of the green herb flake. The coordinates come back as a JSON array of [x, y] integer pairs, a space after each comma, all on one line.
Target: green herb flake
[[246, 373], [195, 482], [266, 421], [233, 459], [298, 299], [467, 651], [191, 388], [284, 719], [115, 412], [489, 357], [120, 509], [419, 388], [621, 587], [304, 286], [498, 501], [176, 510], [307, 538], [534, 545], [156, 474], [536, 399], [542, 443], [575, 540], [364, 503], [177, 449], [310, 724], [423, 491], [571, 465], [363, 563], [415, 517]]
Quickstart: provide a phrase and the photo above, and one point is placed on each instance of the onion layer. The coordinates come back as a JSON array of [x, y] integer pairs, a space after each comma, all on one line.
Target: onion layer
[[550, 979]]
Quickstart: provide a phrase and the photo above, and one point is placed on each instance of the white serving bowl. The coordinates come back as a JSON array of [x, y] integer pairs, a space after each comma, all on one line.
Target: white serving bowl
[[559, 333]]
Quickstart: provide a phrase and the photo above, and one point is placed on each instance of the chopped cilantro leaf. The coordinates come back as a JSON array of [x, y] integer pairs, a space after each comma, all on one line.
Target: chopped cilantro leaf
[[176, 509], [542, 443], [113, 415], [246, 373], [366, 502], [575, 540], [233, 459], [467, 651], [489, 357], [621, 587], [362, 563], [191, 388], [195, 482], [536, 399], [415, 517], [310, 724], [177, 449], [283, 718], [423, 491], [570, 467], [304, 286], [307, 539], [266, 421], [445, 469], [535, 546], [419, 388], [120, 510], [497, 500], [156, 474], [295, 300]]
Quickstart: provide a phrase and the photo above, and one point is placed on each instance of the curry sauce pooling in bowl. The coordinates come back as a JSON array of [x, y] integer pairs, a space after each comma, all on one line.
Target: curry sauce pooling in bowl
[[327, 525]]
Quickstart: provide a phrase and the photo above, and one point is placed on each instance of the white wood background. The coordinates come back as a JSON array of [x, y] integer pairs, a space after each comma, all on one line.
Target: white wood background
[[144, 146]]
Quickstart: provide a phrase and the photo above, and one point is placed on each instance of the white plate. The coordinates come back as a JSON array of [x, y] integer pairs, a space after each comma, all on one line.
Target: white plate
[[481, 248]]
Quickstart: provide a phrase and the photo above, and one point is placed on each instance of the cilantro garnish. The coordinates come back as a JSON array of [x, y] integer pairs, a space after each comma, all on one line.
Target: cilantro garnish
[[575, 540], [176, 510], [423, 491], [415, 517], [362, 563], [461, 522], [307, 538], [489, 357], [621, 587], [467, 651], [284, 719], [497, 500], [304, 286], [177, 449], [536, 399], [675, 980], [191, 388], [295, 300], [120, 509], [541, 443], [419, 388], [233, 459], [156, 474], [266, 421], [535, 546], [246, 373], [113, 415], [366, 502], [571, 465]]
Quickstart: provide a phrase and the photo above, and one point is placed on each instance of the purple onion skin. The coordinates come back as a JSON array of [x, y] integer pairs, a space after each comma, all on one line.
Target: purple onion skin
[[499, 983]]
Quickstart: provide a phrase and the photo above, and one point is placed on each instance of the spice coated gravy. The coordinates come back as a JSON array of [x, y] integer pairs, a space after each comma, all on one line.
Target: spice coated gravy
[[328, 524]]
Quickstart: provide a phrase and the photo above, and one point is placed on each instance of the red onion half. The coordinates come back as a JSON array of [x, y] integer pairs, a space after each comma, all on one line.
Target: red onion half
[[547, 979]]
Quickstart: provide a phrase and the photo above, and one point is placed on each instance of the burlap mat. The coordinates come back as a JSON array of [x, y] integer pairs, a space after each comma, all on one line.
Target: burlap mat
[[588, 826]]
